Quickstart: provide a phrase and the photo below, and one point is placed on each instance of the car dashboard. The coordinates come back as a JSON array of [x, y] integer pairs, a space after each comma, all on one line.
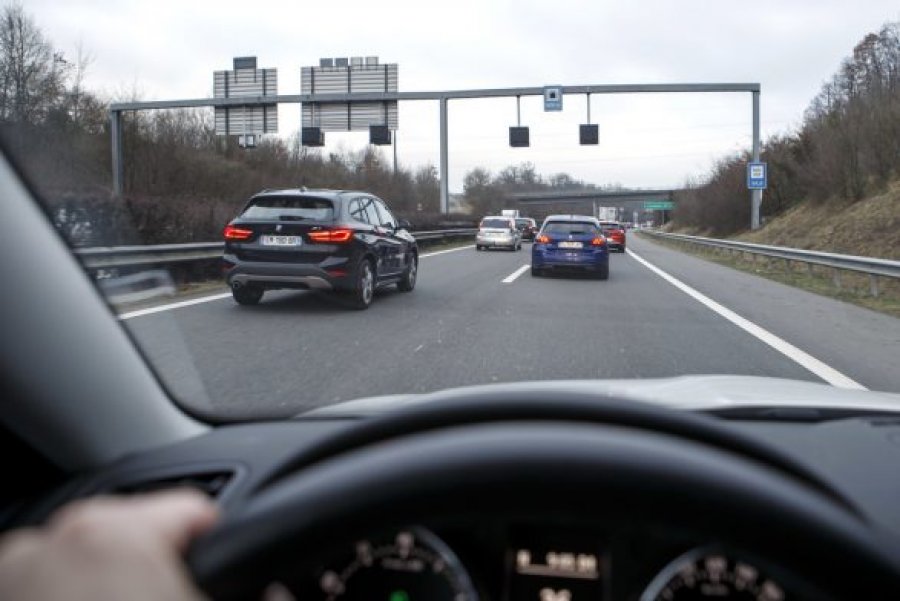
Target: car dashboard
[[527, 555], [548, 558]]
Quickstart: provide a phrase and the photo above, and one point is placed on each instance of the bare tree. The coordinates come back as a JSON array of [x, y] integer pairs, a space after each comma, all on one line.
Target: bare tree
[[848, 146], [32, 75]]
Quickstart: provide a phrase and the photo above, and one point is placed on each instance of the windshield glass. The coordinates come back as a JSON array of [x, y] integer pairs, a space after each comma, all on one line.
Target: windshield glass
[[496, 223], [570, 228], [376, 259], [275, 207]]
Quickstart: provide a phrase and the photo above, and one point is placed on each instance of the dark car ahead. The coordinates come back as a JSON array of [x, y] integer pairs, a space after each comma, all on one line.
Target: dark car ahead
[[528, 227], [318, 240], [568, 242]]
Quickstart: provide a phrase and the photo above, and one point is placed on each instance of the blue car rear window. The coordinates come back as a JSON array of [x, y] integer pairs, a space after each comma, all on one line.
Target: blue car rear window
[[570, 228]]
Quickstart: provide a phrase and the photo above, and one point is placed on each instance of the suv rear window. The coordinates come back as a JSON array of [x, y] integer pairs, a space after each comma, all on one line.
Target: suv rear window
[[496, 223], [287, 208], [570, 228]]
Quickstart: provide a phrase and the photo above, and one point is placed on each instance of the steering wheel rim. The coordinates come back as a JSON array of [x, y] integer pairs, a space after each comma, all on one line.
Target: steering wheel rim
[[485, 455]]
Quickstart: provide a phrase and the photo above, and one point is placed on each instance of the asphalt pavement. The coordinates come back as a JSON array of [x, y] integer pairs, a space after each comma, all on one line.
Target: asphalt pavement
[[480, 317]]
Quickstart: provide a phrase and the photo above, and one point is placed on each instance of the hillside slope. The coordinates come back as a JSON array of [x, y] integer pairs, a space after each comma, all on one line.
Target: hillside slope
[[870, 227]]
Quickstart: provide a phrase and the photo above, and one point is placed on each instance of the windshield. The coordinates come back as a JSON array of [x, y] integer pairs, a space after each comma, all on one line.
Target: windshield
[[570, 228], [287, 207], [496, 223], [365, 264]]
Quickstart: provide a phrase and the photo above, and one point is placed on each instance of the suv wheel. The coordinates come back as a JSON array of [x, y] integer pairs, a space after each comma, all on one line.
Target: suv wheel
[[408, 281], [364, 287], [247, 294]]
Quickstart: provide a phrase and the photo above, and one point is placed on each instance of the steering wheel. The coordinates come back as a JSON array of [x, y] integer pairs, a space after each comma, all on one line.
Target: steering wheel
[[491, 452]]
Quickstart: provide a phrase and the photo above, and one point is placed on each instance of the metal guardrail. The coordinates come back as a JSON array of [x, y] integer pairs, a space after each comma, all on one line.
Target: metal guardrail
[[871, 266], [441, 234], [108, 257]]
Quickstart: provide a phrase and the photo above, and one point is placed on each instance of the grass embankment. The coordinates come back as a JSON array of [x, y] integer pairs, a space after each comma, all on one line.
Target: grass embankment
[[868, 228]]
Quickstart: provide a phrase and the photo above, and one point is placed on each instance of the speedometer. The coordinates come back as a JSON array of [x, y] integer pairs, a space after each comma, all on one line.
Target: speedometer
[[707, 574], [410, 565]]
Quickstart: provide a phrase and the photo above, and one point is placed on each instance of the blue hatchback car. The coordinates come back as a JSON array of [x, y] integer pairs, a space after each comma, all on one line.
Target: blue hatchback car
[[570, 242]]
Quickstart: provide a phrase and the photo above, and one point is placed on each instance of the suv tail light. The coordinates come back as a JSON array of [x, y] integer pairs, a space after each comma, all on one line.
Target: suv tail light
[[598, 241], [543, 239], [236, 233], [338, 235]]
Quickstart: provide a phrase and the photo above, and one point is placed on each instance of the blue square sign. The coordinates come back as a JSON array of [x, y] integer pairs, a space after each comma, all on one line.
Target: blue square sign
[[757, 176], [553, 98]]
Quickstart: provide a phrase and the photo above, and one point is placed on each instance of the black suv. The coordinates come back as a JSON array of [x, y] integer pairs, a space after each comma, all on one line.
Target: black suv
[[318, 240]]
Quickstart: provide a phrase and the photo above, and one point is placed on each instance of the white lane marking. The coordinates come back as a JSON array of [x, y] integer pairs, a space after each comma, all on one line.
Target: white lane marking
[[214, 297], [449, 250], [824, 371], [512, 277], [170, 306]]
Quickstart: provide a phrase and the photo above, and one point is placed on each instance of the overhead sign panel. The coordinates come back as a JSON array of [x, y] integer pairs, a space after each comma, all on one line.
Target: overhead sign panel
[[553, 98], [353, 76], [246, 81], [588, 134], [659, 205], [519, 137]]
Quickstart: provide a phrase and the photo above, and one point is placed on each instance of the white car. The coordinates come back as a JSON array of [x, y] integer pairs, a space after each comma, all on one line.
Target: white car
[[498, 232]]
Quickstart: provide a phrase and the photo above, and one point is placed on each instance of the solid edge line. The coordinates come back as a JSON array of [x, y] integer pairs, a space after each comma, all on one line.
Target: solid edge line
[[170, 306], [804, 359], [449, 250], [512, 277], [206, 299]]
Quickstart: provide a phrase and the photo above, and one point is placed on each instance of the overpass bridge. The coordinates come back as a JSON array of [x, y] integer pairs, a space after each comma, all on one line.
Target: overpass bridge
[[584, 201]]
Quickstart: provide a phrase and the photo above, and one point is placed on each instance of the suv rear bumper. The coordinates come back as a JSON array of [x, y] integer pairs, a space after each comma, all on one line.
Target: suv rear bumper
[[331, 274]]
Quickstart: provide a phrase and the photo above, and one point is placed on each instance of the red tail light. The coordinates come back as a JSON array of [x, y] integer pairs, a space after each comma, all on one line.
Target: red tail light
[[598, 241], [543, 239], [236, 233], [338, 235]]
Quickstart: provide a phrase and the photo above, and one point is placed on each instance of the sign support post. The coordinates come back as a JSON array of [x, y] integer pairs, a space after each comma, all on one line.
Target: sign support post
[[755, 193], [445, 183]]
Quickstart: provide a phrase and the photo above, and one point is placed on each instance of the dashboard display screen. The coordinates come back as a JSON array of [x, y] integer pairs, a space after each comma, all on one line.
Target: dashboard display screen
[[554, 566]]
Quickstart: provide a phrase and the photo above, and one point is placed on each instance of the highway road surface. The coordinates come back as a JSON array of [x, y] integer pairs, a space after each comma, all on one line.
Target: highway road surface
[[480, 317]]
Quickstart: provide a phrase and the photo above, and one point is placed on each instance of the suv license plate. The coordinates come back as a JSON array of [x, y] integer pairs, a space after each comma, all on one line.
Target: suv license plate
[[281, 240], [567, 244]]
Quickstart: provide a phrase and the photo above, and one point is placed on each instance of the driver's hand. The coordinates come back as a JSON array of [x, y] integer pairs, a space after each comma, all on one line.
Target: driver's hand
[[107, 548]]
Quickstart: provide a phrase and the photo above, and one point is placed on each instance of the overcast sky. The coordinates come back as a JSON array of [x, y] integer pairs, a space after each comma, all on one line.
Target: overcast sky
[[168, 50]]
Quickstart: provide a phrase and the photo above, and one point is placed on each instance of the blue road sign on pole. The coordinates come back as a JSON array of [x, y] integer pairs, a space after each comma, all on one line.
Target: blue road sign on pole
[[553, 98], [757, 176]]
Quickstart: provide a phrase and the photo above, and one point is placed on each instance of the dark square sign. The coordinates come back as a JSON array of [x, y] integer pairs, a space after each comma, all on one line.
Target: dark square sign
[[380, 135], [518, 137]]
